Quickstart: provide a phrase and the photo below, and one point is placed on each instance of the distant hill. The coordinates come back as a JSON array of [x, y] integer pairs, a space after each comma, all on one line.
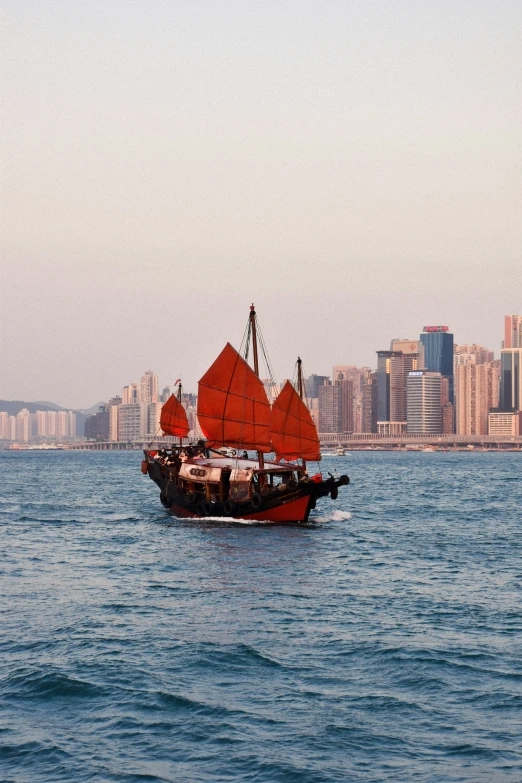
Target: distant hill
[[93, 409], [12, 407]]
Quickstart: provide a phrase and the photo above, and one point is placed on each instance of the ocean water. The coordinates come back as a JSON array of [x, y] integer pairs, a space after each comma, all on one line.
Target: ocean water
[[382, 642]]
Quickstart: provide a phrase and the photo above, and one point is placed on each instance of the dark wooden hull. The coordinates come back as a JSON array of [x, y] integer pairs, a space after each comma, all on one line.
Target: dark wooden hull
[[291, 506]]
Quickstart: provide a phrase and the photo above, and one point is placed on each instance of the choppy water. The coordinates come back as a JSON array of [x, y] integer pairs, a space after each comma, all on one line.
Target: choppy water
[[382, 645]]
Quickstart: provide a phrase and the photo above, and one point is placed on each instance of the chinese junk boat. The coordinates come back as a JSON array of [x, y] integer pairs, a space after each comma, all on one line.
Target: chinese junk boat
[[210, 479]]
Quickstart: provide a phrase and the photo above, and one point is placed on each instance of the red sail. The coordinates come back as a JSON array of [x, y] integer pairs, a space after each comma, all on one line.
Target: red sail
[[233, 409], [173, 419], [293, 431]]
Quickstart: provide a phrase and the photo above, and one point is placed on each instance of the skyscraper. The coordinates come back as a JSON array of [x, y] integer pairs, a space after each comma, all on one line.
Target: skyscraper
[[149, 387], [130, 394], [438, 352], [424, 408], [392, 372], [410, 347], [346, 397], [330, 408], [512, 331], [313, 383], [476, 393], [511, 379], [369, 403]]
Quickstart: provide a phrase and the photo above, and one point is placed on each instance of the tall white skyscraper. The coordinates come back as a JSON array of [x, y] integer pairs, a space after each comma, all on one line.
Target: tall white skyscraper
[[423, 402]]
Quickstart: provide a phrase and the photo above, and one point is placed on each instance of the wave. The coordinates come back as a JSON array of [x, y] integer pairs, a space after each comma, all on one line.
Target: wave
[[49, 685], [334, 516]]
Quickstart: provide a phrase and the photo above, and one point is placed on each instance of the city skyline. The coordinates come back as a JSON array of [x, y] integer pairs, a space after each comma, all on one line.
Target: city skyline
[[324, 370], [430, 385]]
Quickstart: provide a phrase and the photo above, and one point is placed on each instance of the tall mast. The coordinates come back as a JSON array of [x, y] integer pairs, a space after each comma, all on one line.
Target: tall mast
[[260, 455], [179, 400], [300, 386]]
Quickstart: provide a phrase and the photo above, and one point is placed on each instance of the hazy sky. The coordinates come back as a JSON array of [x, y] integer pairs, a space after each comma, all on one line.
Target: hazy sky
[[354, 168]]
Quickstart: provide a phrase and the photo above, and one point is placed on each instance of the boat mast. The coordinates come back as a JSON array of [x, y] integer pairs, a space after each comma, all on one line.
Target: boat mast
[[260, 455], [300, 387], [179, 400]]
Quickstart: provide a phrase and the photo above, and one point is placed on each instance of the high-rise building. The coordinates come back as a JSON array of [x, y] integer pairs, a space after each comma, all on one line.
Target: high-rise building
[[153, 419], [130, 394], [474, 354], [330, 408], [114, 406], [512, 331], [392, 373], [149, 388], [357, 375], [165, 394], [511, 379], [447, 408], [5, 426], [23, 426], [130, 418], [313, 383], [410, 347], [347, 411], [98, 426], [424, 408], [438, 352], [476, 393], [369, 403]]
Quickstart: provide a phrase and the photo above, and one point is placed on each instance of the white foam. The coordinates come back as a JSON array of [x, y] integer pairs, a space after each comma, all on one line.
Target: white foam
[[334, 516], [227, 520]]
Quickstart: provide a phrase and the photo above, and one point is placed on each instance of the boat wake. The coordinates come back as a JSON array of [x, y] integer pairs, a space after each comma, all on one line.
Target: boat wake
[[334, 516], [224, 520]]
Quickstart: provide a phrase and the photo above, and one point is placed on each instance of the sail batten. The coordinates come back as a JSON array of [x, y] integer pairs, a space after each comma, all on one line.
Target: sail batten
[[293, 431], [233, 409], [173, 419]]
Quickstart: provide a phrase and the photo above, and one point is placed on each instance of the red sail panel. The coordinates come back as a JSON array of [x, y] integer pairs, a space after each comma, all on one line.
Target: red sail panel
[[173, 419], [294, 435], [233, 409]]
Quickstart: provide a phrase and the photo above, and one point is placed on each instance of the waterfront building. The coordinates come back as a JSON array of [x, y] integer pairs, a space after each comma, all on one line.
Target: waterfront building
[[392, 372], [369, 403], [330, 411], [424, 402], [23, 426], [347, 408], [149, 388], [504, 423], [114, 404], [57, 425], [357, 375], [153, 419], [476, 393], [98, 426], [447, 408], [512, 331], [448, 418], [5, 426], [391, 427], [511, 379], [130, 421], [438, 352]]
